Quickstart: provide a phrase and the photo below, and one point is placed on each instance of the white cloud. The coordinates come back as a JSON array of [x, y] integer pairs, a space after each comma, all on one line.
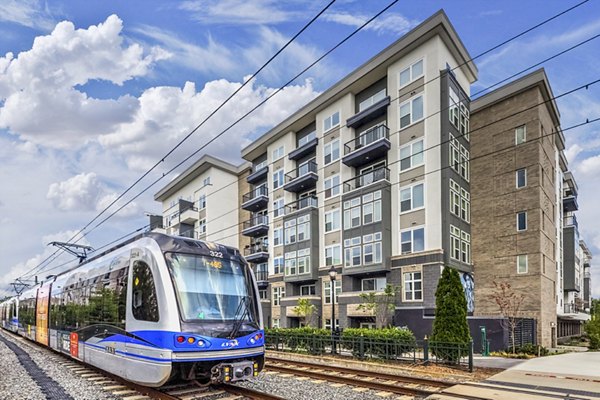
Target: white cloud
[[28, 13], [572, 152], [41, 103], [394, 23], [238, 12]]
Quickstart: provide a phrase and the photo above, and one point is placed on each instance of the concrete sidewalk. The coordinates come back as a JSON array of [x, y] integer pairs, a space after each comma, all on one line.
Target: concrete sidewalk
[[496, 362]]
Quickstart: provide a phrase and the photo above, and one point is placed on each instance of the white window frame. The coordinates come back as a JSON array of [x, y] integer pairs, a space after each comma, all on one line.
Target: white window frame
[[352, 246], [279, 178], [412, 239], [278, 293], [518, 130], [380, 95], [524, 170], [412, 76], [328, 149], [201, 202], [412, 281], [275, 323], [334, 188], [518, 228], [202, 226], [277, 236], [278, 267], [206, 181], [412, 155], [327, 291], [411, 189], [278, 208], [329, 121], [290, 233], [329, 218], [519, 271], [314, 290], [278, 153], [333, 249], [379, 284], [410, 102]]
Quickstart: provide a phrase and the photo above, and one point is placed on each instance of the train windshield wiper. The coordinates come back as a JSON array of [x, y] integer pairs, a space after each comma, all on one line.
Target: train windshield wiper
[[237, 322]]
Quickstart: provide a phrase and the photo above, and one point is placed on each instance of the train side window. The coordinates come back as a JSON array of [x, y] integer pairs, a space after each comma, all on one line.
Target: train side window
[[145, 303]]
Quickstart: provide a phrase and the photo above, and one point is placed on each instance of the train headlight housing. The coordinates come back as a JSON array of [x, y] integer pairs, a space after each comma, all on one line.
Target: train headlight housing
[[180, 339], [256, 339]]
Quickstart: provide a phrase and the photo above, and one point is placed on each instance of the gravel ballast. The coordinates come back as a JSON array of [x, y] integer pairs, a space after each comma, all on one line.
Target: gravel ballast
[[17, 384]]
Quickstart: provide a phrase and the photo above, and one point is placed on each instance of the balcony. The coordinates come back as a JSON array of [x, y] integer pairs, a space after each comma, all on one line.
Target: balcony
[[370, 145], [256, 226], [258, 175], [262, 277], [301, 204], [256, 199], [257, 253], [189, 216], [375, 111], [304, 148], [302, 178], [366, 179], [571, 220], [570, 203]]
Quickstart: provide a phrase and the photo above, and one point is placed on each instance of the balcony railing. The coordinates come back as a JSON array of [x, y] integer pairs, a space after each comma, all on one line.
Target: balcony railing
[[571, 220], [366, 179], [302, 170], [255, 221], [255, 249], [262, 274], [257, 192], [573, 308], [305, 202], [372, 135]]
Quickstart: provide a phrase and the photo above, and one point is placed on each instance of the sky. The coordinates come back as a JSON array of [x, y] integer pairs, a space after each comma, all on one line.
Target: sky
[[94, 93]]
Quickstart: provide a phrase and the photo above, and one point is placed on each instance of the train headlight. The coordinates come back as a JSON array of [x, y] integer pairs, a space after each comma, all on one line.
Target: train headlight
[[191, 340]]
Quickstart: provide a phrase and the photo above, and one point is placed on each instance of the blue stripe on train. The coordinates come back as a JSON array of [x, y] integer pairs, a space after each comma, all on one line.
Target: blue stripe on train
[[162, 360]]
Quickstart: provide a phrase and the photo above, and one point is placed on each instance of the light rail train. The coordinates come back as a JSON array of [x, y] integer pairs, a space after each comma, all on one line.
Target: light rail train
[[153, 309]]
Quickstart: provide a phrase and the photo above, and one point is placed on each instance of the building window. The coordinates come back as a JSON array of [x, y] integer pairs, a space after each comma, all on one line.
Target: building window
[[520, 134], [411, 198], [412, 285], [278, 178], [327, 323], [460, 245], [297, 262], [305, 139], [202, 226], [260, 165], [459, 158], [277, 236], [331, 122], [522, 264], [290, 232], [522, 221], [411, 155], [363, 105], [333, 255], [332, 151], [332, 186], [464, 121], [521, 177], [278, 153], [411, 111], [303, 225], [372, 252], [460, 201], [327, 290], [202, 202], [275, 323], [411, 73], [412, 240], [371, 210], [373, 284], [278, 265], [278, 208], [262, 294], [332, 220], [352, 252], [278, 294], [206, 181], [453, 107], [308, 290]]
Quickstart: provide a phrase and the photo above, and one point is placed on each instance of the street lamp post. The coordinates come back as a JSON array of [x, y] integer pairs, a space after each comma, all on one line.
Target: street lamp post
[[332, 276]]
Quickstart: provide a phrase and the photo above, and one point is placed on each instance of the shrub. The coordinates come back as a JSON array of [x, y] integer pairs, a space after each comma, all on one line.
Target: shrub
[[310, 340], [532, 349], [388, 343], [592, 329]]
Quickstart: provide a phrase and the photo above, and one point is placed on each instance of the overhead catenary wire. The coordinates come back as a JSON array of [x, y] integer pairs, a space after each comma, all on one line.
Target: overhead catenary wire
[[584, 86], [347, 38]]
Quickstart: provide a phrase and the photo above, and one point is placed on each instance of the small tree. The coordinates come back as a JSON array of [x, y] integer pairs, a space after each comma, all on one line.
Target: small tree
[[509, 304], [450, 323], [306, 311], [381, 305]]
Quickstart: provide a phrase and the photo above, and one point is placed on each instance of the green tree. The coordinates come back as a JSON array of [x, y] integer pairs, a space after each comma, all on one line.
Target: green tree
[[306, 311], [450, 323], [381, 305]]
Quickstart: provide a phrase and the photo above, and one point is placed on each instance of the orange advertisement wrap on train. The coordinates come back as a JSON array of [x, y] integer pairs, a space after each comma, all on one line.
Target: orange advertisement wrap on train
[[41, 317], [74, 345]]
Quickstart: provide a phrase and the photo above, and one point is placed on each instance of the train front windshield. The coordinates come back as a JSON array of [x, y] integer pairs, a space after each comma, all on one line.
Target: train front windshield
[[212, 289]]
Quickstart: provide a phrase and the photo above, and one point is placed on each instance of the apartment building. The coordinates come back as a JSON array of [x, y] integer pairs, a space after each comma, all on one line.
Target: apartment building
[[372, 179], [203, 202], [523, 202]]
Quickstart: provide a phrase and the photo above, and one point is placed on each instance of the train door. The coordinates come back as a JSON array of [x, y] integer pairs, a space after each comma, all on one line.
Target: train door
[[41, 314]]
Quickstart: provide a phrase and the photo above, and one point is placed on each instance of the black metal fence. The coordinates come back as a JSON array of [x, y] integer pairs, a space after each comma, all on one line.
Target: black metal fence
[[362, 348]]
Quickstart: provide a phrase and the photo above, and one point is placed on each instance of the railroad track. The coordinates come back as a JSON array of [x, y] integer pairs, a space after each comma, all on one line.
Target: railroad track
[[397, 384], [126, 390]]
